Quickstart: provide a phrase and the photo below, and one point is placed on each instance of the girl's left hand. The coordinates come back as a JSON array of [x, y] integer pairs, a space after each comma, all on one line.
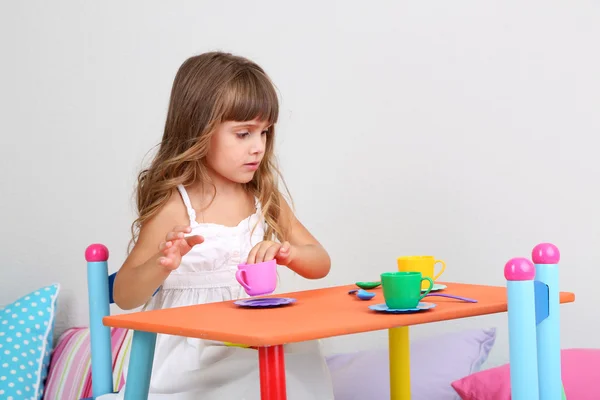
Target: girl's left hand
[[267, 250]]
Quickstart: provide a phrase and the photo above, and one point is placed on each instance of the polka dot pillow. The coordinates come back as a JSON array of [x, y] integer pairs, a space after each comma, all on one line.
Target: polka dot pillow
[[26, 331]]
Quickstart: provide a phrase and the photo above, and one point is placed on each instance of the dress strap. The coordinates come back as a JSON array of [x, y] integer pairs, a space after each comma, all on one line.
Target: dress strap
[[257, 204], [188, 204]]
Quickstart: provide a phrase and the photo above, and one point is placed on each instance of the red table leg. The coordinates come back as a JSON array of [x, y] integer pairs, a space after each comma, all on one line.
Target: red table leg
[[272, 373]]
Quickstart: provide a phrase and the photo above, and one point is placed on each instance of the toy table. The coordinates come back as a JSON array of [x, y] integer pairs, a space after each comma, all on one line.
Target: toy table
[[331, 312]]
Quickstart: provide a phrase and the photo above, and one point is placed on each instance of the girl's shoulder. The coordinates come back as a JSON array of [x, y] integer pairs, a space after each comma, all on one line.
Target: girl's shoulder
[[172, 213]]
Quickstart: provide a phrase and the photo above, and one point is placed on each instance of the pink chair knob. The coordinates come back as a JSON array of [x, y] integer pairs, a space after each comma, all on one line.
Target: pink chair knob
[[519, 269], [96, 253], [545, 253]]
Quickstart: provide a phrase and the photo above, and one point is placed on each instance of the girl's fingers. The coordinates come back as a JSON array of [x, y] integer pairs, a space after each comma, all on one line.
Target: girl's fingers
[[252, 254], [174, 236], [285, 254], [178, 232], [165, 245], [165, 261], [194, 240], [170, 247], [285, 248], [182, 228], [171, 260], [262, 250], [175, 249], [271, 252]]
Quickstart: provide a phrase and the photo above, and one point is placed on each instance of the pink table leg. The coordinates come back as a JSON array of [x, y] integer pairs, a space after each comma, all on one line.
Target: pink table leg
[[271, 360]]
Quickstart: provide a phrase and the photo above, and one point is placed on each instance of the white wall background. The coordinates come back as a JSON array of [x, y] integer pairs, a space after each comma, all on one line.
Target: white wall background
[[464, 129]]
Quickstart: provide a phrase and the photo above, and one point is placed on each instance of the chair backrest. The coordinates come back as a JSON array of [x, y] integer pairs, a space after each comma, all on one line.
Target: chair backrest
[[534, 324]]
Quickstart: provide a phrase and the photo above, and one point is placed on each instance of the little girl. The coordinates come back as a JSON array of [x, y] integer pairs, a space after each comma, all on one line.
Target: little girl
[[208, 202]]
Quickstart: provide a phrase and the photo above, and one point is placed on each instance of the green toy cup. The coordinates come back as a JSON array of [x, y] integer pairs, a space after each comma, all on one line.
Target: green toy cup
[[402, 290]]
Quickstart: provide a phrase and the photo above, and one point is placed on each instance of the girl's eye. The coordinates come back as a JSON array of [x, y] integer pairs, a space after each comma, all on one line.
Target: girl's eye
[[243, 135]]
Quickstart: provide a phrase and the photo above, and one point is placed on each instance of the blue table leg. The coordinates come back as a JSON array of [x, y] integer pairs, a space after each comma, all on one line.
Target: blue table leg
[[140, 366]]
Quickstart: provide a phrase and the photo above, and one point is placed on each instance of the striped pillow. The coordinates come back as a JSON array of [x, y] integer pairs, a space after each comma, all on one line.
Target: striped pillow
[[70, 375]]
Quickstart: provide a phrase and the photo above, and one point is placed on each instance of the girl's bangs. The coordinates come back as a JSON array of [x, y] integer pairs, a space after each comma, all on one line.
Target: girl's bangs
[[250, 96]]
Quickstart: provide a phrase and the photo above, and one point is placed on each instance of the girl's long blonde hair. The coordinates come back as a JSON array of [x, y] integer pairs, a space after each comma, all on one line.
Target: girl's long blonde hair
[[209, 89]]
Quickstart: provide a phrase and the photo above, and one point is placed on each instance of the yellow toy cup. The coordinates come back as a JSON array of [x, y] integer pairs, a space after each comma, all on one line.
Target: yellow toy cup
[[423, 264]]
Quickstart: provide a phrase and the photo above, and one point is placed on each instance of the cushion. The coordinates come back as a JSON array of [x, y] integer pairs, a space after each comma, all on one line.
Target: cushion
[[580, 372], [26, 332], [70, 374], [435, 363]]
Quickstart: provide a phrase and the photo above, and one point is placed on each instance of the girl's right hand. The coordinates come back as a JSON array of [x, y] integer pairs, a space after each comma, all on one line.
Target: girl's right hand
[[177, 245]]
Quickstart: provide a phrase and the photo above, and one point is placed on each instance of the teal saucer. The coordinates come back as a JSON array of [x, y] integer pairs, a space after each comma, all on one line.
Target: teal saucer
[[436, 287], [422, 306]]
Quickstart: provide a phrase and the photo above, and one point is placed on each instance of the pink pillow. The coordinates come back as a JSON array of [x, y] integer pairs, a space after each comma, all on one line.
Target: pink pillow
[[580, 373], [70, 375]]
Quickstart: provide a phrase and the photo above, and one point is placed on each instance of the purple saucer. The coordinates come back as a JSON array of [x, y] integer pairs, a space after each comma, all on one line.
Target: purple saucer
[[265, 302]]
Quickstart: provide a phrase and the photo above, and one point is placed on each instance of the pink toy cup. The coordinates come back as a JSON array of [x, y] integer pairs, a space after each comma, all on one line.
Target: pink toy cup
[[258, 279]]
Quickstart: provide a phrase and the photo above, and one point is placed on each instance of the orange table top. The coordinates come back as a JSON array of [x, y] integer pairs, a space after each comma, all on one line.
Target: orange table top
[[317, 314]]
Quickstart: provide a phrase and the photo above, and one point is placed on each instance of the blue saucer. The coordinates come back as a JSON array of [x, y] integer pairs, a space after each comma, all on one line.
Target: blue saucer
[[422, 306]]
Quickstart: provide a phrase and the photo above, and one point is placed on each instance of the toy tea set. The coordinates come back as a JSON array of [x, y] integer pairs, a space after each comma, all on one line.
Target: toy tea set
[[403, 290]]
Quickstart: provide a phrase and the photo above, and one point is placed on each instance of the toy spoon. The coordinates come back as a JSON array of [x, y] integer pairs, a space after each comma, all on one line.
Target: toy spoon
[[364, 295], [368, 285], [451, 296]]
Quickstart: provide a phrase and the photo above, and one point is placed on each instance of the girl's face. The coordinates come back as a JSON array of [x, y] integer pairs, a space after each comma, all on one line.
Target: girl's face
[[237, 148]]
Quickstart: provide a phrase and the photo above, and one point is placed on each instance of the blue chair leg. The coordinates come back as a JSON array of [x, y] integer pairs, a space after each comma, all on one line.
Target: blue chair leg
[[140, 366]]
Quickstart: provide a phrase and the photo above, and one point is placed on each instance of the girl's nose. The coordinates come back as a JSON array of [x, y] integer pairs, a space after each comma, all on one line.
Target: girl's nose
[[258, 146]]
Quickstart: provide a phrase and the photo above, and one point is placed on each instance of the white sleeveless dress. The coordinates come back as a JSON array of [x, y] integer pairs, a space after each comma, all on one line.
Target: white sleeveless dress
[[194, 369]]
